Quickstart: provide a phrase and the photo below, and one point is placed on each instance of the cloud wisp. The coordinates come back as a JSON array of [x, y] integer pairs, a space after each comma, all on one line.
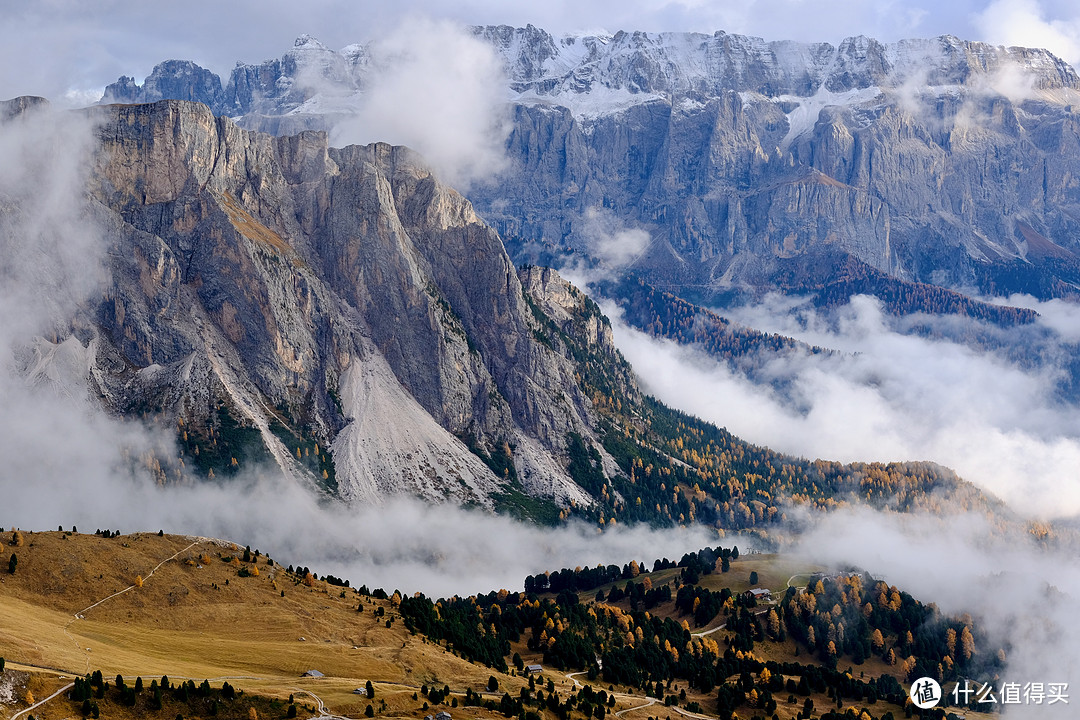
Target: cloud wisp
[[439, 90]]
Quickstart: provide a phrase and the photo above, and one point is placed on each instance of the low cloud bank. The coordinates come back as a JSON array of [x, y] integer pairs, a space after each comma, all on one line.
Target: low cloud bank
[[889, 395], [404, 544]]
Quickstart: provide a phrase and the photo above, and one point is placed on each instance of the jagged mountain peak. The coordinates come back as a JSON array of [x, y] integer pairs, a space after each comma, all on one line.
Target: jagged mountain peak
[[597, 73], [308, 41]]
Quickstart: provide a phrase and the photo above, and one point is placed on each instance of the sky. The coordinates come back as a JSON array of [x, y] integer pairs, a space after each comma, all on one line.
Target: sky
[[67, 49]]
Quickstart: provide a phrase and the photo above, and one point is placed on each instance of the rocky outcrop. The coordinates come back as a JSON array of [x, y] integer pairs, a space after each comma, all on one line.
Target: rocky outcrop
[[170, 80], [341, 308]]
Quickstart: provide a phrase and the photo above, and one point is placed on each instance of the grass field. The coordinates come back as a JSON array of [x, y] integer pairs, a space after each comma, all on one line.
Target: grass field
[[196, 620], [194, 617]]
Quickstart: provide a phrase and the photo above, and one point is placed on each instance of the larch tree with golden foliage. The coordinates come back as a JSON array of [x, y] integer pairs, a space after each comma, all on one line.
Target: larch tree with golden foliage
[[967, 643]]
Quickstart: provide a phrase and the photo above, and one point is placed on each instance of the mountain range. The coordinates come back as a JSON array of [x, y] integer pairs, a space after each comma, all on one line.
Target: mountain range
[[345, 316], [748, 164]]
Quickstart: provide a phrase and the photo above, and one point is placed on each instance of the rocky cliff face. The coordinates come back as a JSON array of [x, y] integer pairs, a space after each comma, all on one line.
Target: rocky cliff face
[[940, 161], [339, 312], [937, 161]]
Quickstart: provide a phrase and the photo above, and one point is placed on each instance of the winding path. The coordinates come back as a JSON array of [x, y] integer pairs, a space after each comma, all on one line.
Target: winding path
[[67, 687], [620, 713], [573, 678], [323, 713]]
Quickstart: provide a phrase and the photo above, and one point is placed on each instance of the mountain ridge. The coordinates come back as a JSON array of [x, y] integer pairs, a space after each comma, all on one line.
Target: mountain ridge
[[935, 161]]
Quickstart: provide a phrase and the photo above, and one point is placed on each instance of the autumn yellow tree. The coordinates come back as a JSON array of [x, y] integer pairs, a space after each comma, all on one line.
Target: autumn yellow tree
[[967, 643], [138, 581]]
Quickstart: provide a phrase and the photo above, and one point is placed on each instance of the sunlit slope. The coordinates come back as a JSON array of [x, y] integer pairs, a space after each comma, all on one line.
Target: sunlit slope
[[196, 617]]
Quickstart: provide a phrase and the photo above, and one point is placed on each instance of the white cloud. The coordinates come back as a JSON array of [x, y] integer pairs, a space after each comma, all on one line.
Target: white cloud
[[404, 544], [1026, 23], [609, 240], [439, 90], [50, 249], [887, 396]]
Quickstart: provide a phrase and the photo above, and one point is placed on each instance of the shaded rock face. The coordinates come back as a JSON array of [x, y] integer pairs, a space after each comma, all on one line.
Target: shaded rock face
[[343, 296]]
